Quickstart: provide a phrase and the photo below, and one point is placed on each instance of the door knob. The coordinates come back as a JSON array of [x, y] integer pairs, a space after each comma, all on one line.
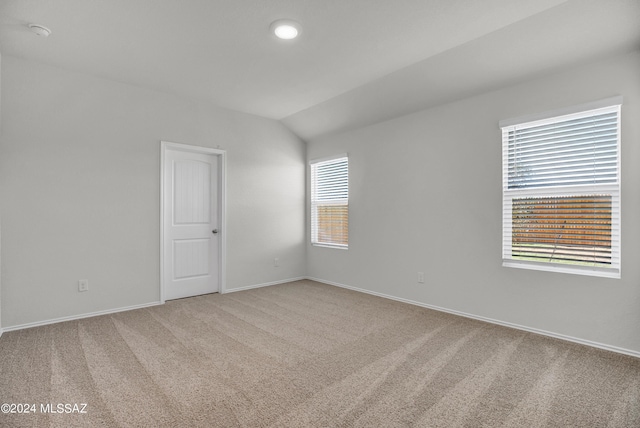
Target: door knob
[[214, 231]]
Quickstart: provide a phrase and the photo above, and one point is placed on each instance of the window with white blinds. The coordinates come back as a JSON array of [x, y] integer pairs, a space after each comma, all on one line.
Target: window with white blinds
[[330, 202], [561, 193]]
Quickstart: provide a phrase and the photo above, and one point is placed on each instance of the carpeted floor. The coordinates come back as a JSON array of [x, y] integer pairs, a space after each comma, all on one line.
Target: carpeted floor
[[305, 354]]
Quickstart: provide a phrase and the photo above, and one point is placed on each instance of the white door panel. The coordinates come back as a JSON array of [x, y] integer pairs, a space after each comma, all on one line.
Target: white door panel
[[190, 217]]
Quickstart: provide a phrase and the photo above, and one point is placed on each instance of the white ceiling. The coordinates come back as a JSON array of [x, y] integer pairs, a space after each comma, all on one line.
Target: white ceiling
[[356, 61]]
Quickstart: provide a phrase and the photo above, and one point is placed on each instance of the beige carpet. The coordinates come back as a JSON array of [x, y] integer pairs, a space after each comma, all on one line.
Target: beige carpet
[[309, 355]]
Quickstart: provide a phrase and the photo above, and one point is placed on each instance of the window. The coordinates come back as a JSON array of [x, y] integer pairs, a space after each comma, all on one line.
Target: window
[[330, 202], [561, 191]]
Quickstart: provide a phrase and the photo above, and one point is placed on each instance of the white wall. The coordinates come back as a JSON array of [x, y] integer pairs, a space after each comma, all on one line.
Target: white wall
[[0, 202], [80, 191], [425, 195], [79, 198]]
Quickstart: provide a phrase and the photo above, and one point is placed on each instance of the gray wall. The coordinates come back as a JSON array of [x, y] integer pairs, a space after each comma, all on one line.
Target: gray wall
[[80, 191], [79, 198], [426, 196], [0, 202]]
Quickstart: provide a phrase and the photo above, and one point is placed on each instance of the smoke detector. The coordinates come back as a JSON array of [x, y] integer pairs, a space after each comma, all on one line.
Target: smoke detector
[[40, 30]]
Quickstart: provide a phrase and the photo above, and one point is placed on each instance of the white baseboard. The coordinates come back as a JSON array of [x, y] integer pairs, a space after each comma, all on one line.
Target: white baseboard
[[489, 320], [77, 317], [361, 290], [266, 284], [129, 308]]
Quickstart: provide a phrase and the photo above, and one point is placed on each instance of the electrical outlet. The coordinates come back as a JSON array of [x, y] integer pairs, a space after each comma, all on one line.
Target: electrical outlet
[[83, 285], [421, 277], [276, 262]]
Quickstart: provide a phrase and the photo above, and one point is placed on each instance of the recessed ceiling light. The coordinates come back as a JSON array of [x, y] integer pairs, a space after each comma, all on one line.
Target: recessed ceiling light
[[285, 29], [40, 30]]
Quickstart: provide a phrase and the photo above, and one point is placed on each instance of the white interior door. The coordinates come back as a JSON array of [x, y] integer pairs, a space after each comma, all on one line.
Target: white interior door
[[190, 224]]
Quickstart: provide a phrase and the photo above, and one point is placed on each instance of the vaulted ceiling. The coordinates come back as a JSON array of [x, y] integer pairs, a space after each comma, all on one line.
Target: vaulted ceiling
[[356, 61]]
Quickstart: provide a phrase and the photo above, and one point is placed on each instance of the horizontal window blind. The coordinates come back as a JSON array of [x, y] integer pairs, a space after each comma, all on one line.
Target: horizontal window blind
[[563, 229], [330, 202], [561, 191], [577, 151]]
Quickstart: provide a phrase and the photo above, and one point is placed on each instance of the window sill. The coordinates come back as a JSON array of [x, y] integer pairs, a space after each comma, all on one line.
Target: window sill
[[553, 267], [338, 247]]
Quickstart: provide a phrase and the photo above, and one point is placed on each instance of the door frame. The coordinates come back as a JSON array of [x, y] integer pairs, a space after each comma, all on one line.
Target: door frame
[[221, 203]]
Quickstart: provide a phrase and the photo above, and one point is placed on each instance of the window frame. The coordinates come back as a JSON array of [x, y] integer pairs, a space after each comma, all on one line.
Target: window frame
[[613, 189], [314, 203]]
